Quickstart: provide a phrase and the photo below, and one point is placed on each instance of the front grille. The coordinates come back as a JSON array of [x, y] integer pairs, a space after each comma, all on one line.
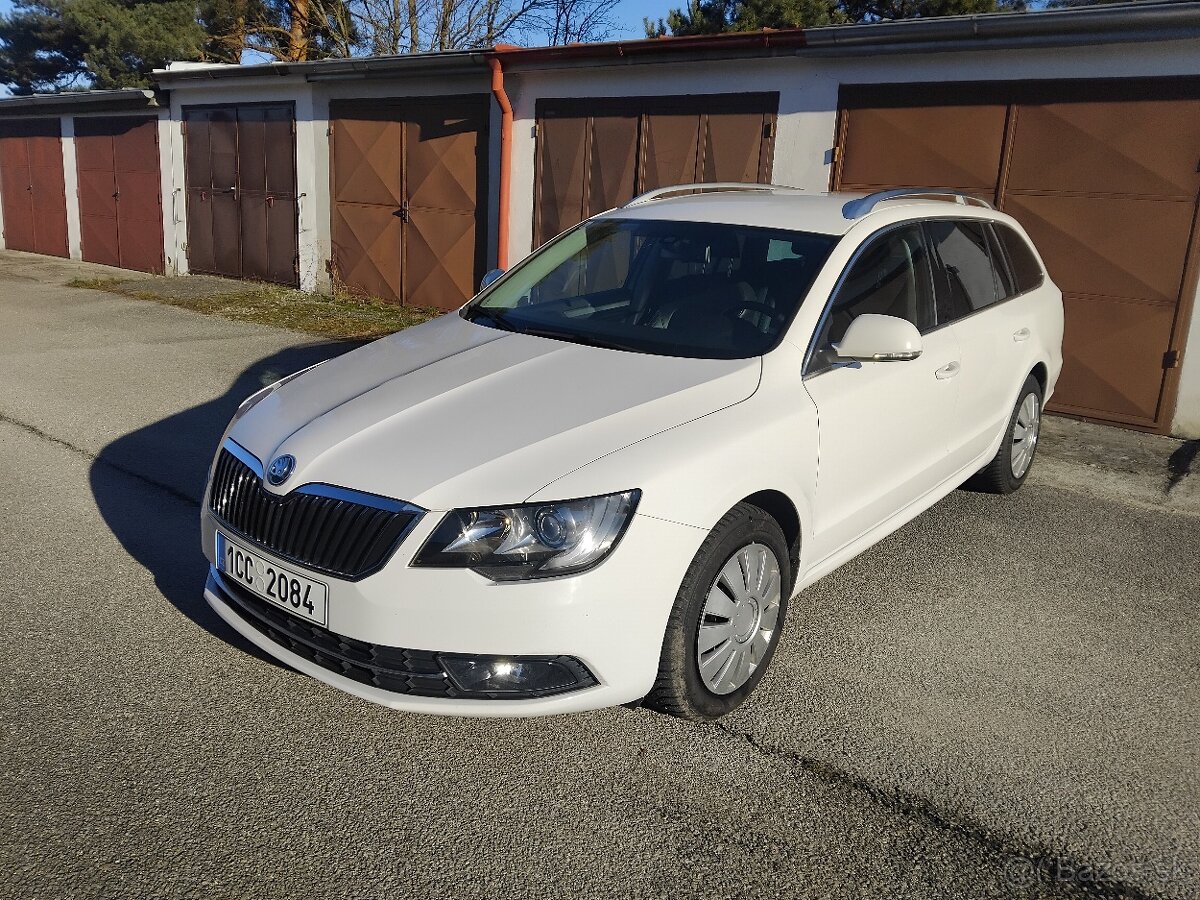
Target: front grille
[[413, 672], [315, 526]]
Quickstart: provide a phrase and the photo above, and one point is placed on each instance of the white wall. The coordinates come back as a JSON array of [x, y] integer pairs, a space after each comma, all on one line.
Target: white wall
[[71, 188], [1187, 406], [3, 246]]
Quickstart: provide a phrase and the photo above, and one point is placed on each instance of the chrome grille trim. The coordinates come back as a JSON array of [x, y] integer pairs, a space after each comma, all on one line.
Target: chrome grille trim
[[337, 531]]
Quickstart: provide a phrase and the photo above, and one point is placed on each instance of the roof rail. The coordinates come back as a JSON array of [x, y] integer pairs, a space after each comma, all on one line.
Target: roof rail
[[858, 208], [705, 186]]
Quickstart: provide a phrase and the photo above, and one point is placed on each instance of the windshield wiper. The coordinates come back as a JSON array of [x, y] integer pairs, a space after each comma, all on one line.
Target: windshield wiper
[[576, 337], [492, 318], [497, 318]]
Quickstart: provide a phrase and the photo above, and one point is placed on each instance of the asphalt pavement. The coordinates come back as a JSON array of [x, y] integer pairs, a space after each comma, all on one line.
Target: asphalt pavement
[[1000, 700]]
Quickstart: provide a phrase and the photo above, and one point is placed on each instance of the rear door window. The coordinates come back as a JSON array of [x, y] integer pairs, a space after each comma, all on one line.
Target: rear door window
[[963, 274]]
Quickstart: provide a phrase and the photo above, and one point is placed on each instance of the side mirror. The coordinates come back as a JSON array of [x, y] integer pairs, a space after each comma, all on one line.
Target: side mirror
[[491, 278], [876, 338]]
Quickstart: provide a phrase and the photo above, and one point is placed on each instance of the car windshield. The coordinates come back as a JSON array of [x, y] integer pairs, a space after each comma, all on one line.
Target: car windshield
[[700, 290]]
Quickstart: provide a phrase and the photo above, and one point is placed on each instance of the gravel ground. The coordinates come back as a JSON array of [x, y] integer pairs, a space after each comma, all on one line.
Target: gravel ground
[[1000, 700]]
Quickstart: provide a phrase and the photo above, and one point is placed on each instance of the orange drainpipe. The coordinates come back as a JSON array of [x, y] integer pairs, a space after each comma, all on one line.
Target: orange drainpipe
[[506, 123]]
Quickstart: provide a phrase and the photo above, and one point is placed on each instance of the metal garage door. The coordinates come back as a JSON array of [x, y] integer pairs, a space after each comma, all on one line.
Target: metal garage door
[[120, 198], [32, 189], [593, 155], [242, 208], [1105, 179], [409, 191]]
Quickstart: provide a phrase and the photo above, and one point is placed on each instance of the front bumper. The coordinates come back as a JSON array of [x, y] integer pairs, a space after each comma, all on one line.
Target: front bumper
[[610, 620]]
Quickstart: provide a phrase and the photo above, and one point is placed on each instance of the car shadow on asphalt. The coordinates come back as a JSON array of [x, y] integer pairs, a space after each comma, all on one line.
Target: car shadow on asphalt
[[148, 486]]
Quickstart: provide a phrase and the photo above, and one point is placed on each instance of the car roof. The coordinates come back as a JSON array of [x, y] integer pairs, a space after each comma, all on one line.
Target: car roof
[[793, 209]]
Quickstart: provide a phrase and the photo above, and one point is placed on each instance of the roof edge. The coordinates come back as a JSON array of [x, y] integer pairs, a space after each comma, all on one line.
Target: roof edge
[[126, 99], [1148, 20], [447, 62]]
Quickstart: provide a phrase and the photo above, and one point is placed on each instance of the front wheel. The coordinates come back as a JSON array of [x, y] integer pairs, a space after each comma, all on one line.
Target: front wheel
[[1010, 466], [727, 618]]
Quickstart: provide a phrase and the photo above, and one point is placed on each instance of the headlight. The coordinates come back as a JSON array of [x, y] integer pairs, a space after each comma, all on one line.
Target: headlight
[[258, 396], [534, 540]]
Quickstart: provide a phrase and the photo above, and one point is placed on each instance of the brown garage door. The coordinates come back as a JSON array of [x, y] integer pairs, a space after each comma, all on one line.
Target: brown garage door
[[409, 189], [596, 154], [120, 199], [242, 207], [32, 188], [1103, 177]]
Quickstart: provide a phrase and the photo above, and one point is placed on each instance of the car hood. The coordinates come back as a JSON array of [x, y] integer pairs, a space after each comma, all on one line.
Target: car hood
[[451, 413]]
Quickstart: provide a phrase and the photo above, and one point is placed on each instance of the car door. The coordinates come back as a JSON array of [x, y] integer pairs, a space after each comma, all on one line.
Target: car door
[[1023, 327], [883, 426], [968, 287]]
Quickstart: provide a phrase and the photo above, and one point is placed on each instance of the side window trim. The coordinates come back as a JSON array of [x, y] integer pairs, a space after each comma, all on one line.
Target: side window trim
[[1004, 268], [819, 329]]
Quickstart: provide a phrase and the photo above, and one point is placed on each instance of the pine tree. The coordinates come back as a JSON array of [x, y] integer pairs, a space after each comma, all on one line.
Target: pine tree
[[716, 16], [48, 45]]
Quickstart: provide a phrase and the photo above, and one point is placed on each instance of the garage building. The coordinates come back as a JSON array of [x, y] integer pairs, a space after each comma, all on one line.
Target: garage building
[[81, 176], [406, 178]]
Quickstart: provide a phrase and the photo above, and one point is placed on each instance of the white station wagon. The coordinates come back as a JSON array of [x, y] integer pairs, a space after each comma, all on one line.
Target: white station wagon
[[602, 480]]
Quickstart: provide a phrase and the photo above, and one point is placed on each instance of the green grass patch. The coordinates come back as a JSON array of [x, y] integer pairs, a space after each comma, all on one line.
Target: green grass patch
[[338, 316]]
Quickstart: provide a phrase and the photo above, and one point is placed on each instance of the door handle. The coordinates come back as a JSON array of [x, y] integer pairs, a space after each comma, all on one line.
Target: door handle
[[947, 371], [1021, 334], [402, 212]]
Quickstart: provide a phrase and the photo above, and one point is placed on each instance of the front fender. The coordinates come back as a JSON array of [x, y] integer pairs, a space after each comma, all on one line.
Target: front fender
[[694, 473]]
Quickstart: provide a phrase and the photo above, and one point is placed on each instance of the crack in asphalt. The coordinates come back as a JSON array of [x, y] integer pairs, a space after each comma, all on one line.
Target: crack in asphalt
[[98, 458], [1046, 867]]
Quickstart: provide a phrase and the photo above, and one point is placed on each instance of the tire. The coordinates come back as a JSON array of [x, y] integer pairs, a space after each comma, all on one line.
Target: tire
[[1003, 474], [745, 536]]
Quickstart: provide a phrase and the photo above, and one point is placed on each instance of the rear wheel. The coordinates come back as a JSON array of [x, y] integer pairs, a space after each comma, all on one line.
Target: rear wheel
[[1010, 466], [727, 618]]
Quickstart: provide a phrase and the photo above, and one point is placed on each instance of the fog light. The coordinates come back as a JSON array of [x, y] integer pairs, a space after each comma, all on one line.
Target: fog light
[[516, 676]]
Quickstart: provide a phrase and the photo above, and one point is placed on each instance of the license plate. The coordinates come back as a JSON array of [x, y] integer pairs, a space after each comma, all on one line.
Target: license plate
[[287, 589]]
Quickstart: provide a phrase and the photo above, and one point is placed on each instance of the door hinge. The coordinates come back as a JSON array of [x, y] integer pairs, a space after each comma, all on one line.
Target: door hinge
[[837, 152], [1171, 359], [768, 129], [329, 130], [183, 127], [533, 131]]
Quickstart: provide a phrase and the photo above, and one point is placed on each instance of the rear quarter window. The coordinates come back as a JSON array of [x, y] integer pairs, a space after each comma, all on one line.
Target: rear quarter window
[[1026, 270]]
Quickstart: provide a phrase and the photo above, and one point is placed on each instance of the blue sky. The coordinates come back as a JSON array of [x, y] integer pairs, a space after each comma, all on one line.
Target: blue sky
[[628, 15]]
